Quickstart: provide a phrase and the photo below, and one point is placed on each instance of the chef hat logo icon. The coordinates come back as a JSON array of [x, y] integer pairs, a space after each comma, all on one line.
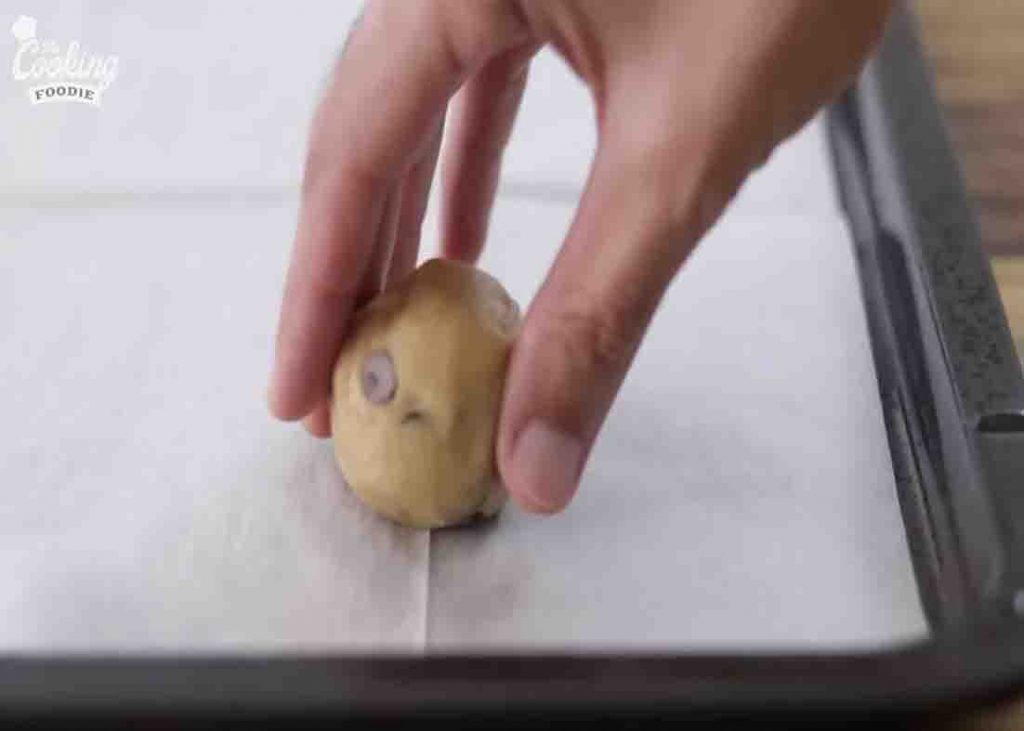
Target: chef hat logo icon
[[24, 28]]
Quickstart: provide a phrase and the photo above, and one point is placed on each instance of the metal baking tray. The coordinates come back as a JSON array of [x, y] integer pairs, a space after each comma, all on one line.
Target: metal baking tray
[[953, 399]]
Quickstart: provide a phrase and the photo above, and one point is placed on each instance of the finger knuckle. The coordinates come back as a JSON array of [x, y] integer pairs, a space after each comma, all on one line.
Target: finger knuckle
[[479, 30], [601, 339]]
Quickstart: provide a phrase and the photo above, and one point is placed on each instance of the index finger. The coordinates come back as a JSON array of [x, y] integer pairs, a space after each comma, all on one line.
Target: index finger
[[402, 63]]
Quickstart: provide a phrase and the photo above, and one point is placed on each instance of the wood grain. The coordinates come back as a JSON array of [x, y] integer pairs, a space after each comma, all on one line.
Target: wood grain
[[1009, 273], [976, 50]]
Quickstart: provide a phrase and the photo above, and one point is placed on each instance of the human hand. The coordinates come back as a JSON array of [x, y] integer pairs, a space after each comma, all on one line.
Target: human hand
[[689, 95]]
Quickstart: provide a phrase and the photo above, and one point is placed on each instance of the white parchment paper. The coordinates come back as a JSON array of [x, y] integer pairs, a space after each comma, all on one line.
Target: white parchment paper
[[149, 501], [741, 493]]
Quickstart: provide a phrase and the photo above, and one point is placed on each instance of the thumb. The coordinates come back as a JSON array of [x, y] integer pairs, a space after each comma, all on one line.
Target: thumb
[[638, 219]]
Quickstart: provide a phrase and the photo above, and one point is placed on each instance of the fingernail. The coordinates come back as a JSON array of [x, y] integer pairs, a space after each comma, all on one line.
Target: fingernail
[[546, 466]]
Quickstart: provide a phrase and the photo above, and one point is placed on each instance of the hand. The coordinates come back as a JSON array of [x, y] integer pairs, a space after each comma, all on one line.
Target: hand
[[689, 95]]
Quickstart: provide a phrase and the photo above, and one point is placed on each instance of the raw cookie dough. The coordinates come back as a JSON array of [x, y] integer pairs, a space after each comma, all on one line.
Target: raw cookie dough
[[416, 394]]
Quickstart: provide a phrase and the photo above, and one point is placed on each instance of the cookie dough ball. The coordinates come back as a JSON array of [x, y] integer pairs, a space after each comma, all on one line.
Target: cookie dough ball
[[416, 394]]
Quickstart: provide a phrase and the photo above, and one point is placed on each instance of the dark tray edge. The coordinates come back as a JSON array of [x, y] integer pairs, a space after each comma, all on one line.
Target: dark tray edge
[[953, 407]]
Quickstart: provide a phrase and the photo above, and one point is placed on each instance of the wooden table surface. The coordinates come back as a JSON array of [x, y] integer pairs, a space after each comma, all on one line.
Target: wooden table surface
[[976, 50]]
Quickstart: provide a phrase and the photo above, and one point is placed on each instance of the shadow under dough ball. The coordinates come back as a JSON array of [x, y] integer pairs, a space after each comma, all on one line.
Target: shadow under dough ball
[[416, 394]]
